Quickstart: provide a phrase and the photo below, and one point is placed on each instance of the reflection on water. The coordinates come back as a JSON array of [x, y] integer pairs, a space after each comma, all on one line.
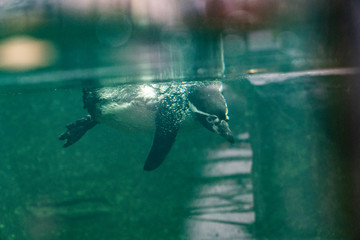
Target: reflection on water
[[47, 219], [68, 208], [222, 206]]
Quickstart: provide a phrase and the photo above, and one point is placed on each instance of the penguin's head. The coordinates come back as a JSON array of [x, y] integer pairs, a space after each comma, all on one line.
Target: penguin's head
[[208, 104]]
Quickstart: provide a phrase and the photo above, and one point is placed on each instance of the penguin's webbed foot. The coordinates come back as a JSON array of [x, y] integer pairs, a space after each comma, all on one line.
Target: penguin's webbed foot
[[77, 129]]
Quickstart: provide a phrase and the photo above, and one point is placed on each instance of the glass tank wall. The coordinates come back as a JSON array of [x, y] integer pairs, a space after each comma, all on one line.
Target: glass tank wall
[[288, 71]]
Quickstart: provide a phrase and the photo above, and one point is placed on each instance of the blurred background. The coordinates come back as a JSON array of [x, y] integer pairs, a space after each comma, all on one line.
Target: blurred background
[[289, 69], [179, 37]]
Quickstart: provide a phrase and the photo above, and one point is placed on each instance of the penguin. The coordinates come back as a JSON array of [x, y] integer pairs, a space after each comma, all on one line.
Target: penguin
[[163, 108]]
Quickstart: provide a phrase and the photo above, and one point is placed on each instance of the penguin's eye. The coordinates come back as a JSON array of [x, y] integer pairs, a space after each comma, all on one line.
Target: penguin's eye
[[212, 119]]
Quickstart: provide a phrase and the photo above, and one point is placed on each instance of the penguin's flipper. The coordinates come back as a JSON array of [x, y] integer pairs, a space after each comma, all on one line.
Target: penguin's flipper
[[77, 129], [166, 128]]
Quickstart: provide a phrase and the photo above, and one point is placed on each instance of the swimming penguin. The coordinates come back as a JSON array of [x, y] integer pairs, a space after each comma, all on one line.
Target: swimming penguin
[[164, 107]]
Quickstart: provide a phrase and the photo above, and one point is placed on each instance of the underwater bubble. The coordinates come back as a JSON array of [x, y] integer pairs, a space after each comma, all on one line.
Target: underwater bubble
[[114, 30]]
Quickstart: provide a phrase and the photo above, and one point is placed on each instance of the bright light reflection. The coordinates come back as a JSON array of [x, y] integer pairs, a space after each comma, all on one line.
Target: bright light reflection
[[23, 53], [148, 92]]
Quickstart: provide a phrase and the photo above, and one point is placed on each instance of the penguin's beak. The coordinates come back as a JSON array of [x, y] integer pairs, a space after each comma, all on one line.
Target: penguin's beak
[[223, 130], [220, 127]]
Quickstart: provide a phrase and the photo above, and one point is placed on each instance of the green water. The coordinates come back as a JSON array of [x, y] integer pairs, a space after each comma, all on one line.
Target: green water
[[285, 181], [97, 189]]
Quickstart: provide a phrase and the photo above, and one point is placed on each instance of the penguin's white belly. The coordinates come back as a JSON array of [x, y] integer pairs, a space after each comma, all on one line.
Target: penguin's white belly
[[128, 116]]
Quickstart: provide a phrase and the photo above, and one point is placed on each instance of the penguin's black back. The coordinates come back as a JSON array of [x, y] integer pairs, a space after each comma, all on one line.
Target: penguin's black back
[[209, 99]]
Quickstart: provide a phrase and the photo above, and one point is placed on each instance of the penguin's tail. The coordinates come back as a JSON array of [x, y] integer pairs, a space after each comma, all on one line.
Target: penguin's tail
[[77, 129]]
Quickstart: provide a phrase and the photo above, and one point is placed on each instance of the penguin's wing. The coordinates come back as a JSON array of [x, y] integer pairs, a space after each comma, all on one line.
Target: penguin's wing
[[90, 99], [166, 127]]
